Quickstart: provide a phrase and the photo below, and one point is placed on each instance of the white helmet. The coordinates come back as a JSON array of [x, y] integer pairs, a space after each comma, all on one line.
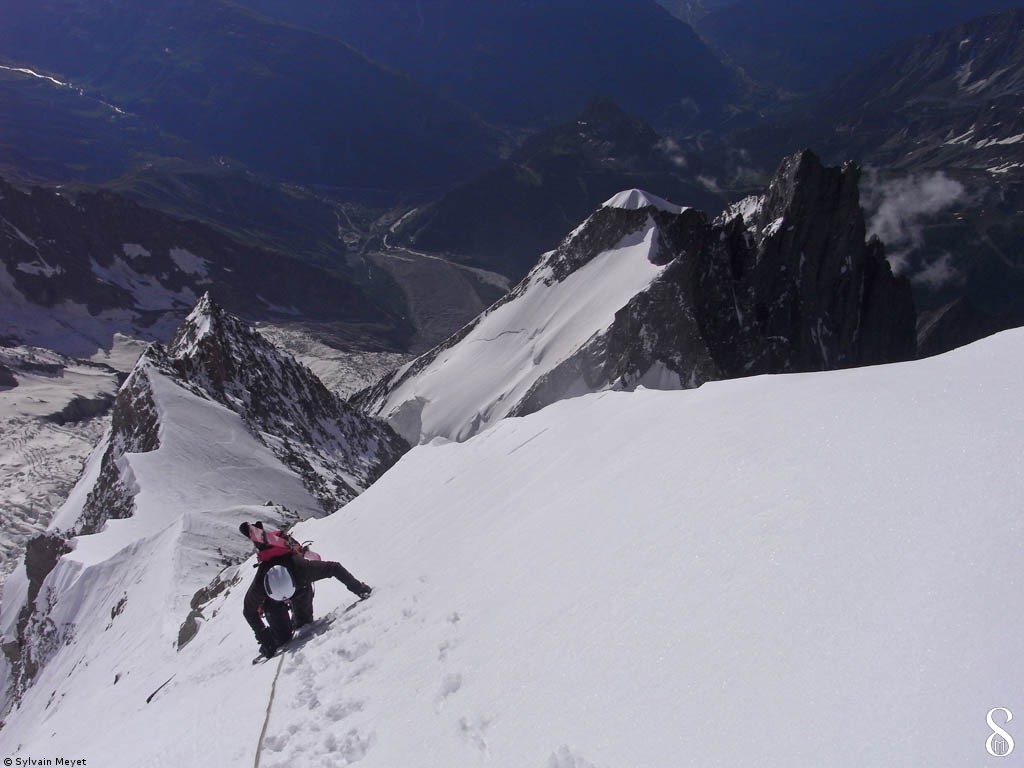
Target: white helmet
[[278, 583]]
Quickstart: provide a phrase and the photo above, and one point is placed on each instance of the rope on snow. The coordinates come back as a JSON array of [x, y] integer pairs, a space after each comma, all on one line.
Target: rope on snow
[[266, 720]]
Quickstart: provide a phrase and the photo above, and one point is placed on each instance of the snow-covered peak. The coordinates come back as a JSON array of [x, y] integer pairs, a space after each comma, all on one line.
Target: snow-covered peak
[[508, 359], [636, 199], [638, 296], [337, 450], [204, 309]]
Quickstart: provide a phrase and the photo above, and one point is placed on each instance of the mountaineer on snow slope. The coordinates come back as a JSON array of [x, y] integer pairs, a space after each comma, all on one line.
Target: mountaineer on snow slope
[[282, 590]]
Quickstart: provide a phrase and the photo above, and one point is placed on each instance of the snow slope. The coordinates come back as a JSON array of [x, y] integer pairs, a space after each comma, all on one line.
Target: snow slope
[[815, 569], [516, 342]]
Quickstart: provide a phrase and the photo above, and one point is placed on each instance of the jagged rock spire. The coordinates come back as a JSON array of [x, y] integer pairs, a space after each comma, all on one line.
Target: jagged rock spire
[[336, 450]]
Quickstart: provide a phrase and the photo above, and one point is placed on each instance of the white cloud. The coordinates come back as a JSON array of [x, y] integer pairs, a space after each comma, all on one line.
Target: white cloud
[[938, 272], [710, 183], [900, 210], [673, 152]]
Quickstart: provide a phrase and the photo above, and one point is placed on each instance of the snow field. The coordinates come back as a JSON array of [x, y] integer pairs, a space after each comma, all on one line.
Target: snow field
[[777, 571], [817, 569]]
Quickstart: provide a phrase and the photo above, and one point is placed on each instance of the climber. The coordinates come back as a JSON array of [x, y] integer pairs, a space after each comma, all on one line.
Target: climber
[[282, 591]]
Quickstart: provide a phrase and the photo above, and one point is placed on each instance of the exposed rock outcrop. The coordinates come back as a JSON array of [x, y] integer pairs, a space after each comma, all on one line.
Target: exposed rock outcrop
[[41, 556], [134, 428]]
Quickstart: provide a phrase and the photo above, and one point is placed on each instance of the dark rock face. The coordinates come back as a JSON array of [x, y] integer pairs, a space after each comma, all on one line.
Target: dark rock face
[[794, 288], [810, 290], [41, 555], [134, 428]]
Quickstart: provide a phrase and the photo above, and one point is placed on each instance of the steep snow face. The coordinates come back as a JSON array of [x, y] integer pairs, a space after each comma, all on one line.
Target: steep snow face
[[635, 199], [494, 365], [772, 571]]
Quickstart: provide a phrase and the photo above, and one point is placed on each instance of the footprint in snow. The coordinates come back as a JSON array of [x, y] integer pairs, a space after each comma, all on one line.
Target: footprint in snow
[[338, 712], [354, 652], [360, 671], [475, 732], [445, 648], [276, 743], [449, 685], [564, 757], [352, 747]]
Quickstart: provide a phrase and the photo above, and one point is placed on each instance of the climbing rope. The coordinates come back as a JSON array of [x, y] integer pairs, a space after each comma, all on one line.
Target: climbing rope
[[322, 623], [266, 720]]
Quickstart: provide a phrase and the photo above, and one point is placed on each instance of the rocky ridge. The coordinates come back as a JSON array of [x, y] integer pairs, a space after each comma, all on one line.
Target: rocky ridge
[[336, 450]]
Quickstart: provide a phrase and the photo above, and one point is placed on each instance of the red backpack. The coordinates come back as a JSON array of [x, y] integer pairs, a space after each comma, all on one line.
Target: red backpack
[[273, 544]]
